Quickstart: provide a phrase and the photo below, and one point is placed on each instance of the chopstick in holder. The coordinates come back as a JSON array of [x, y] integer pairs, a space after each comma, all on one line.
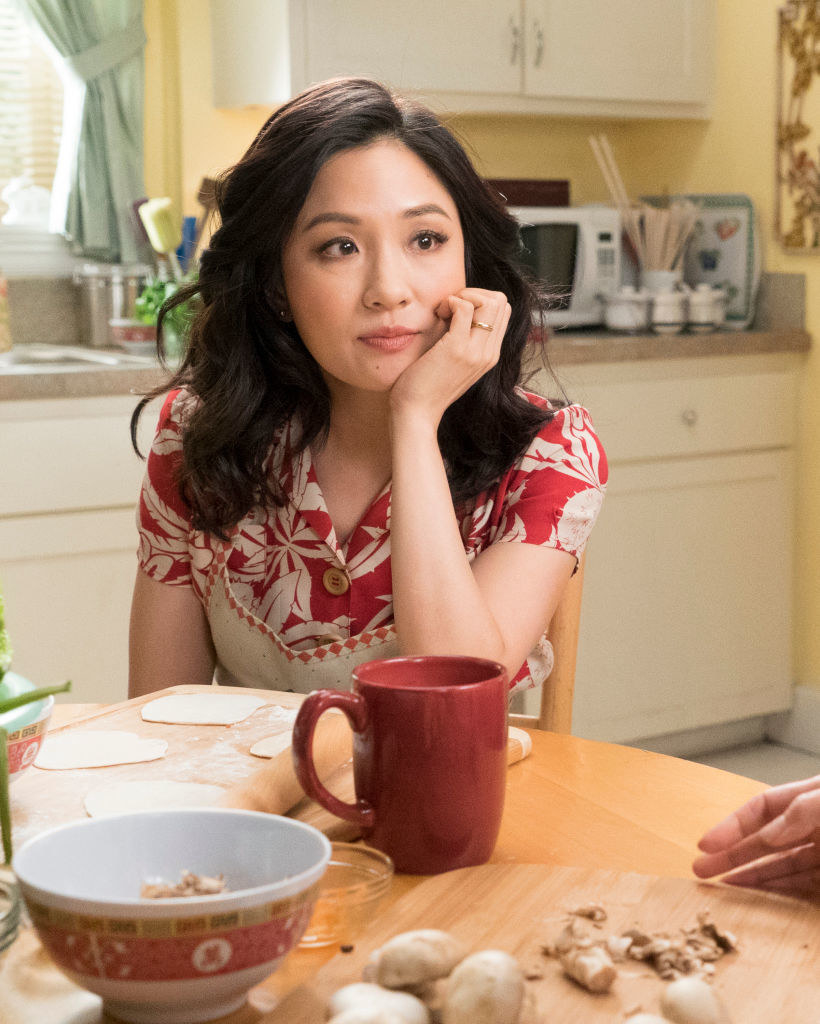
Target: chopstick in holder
[[685, 222], [630, 217], [613, 164]]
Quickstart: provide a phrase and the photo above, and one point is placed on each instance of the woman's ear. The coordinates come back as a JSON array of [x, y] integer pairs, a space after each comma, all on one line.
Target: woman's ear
[[279, 303]]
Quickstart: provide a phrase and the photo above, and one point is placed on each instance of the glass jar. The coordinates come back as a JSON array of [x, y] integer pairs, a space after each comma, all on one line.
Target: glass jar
[[9, 911]]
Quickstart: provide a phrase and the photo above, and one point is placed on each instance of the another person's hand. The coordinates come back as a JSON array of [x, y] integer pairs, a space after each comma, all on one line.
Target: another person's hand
[[777, 834], [460, 357]]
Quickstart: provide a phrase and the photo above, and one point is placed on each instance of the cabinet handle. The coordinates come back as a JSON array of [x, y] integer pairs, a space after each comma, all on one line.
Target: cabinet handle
[[689, 417], [515, 33], [539, 44]]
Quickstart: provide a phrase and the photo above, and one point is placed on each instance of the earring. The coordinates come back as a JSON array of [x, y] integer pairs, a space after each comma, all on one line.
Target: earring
[[285, 315]]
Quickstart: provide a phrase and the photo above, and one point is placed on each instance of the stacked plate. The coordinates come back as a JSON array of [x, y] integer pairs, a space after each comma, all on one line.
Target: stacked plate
[[27, 251]]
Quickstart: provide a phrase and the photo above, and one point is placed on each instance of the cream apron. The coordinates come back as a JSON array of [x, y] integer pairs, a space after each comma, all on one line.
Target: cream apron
[[249, 653]]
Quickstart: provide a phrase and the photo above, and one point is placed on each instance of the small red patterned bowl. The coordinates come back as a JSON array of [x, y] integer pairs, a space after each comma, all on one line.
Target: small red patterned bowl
[[25, 726], [186, 959]]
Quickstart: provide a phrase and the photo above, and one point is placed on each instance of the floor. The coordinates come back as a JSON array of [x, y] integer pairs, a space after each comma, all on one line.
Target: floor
[[766, 762]]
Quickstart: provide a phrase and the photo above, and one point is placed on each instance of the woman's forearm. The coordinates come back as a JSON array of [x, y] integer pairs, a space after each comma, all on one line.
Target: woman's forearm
[[439, 607]]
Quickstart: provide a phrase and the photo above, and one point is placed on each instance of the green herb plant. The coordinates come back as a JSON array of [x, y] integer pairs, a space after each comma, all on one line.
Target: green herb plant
[[9, 704], [176, 322]]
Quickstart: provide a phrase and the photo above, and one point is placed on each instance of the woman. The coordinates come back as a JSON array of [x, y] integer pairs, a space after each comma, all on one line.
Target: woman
[[345, 468]]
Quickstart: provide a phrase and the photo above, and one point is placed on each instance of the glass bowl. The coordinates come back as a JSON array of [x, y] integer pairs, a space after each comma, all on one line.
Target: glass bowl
[[355, 882]]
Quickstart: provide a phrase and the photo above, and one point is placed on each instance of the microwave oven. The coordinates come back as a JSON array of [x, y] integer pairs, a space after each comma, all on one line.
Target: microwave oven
[[575, 254]]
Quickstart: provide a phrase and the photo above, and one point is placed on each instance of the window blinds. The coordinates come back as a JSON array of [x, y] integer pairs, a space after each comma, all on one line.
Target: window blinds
[[31, 103]]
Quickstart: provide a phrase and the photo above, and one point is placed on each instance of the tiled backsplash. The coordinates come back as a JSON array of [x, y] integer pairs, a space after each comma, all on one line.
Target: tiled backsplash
[[44, 310], [49, 309]]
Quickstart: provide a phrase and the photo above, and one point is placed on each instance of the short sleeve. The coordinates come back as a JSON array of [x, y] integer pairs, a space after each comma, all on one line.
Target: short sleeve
[[163, 520], [554, 494]]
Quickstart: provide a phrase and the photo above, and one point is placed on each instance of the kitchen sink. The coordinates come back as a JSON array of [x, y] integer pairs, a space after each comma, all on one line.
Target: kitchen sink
[[51, 358]]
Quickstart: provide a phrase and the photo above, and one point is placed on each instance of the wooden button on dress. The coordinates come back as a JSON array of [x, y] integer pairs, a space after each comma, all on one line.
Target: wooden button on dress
[[335, 581]]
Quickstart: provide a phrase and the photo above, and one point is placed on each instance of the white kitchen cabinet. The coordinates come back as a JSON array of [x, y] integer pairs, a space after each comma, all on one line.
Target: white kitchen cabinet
[[687, 609], [68, 539], [619, 52], [623, 58]]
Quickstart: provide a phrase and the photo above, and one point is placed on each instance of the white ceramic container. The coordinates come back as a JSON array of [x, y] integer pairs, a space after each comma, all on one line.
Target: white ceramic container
[[169, 961], [627, 310], [707, 308], [669, 312]]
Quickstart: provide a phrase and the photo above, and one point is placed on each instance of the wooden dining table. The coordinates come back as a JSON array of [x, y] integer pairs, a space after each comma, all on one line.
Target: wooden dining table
[[571, 802]]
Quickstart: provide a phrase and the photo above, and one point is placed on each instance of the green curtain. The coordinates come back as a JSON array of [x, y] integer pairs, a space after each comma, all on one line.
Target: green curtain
[[102, 42]]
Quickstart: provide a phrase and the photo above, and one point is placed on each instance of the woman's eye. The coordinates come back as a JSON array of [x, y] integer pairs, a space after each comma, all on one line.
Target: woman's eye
[[338, 247], [428, 240]]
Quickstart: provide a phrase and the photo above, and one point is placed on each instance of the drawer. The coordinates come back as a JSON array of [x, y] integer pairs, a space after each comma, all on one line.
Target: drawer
[[645, 419]]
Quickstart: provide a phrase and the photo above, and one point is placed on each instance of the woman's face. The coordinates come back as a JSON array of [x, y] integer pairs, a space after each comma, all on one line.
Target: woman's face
[[375, 249]]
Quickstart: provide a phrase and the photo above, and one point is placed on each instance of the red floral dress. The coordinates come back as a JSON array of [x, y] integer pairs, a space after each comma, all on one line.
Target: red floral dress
[[280, 558]]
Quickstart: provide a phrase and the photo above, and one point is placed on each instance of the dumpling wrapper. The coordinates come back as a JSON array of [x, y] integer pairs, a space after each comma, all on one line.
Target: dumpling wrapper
[[270, 746], [201, 708], [97, 748], [150, 795]]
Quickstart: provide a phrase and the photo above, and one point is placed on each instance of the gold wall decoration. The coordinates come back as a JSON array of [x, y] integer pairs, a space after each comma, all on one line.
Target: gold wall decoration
[[797, 192]]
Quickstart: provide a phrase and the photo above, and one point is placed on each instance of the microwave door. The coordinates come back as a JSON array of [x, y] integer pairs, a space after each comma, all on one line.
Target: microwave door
[[563, 263], [550, 252]]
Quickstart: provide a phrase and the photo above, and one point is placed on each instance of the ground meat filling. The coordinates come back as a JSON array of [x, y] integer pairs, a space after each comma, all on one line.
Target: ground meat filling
[[188, 885]]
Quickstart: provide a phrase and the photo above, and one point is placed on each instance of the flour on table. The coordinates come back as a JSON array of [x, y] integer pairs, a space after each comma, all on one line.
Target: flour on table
[[150, 795], [97, 748], [270, 746], [201, 708]]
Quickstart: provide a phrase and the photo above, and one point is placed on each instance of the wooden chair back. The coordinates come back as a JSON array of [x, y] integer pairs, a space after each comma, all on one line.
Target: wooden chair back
[[558, 689]]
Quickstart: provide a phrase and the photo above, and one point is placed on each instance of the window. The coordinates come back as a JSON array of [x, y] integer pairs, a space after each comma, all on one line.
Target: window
[[31, 103]]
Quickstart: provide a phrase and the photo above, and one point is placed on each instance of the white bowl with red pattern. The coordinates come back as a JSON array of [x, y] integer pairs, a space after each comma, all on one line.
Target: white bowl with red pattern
[[186, 959], [26, 726]]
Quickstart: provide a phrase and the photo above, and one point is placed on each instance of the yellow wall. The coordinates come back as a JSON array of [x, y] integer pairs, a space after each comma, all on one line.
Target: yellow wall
[[187, 139]]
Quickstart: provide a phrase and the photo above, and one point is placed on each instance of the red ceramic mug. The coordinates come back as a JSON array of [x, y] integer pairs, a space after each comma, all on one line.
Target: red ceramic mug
[[429, 758]]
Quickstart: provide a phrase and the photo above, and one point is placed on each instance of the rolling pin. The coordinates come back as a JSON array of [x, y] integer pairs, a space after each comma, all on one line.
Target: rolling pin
[[275, 789]]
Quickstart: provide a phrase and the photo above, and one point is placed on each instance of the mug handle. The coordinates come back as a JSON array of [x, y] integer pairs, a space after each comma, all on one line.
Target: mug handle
[[314, 705]]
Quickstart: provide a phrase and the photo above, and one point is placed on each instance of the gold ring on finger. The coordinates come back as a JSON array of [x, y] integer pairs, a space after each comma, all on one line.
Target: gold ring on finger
[[482, 325]]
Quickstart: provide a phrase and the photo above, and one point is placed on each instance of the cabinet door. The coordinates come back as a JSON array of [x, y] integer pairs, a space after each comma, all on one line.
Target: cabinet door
[[426, 46], [67, 582], [687, 598], [623, 50]]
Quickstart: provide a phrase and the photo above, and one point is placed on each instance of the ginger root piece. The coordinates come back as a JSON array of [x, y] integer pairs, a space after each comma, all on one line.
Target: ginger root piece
[[592, 968], [485, 988], [415, 958], [591, 911], [691, 1001]]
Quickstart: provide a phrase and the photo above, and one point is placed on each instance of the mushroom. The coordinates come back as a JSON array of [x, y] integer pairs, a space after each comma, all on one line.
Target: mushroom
[[415, 958], [592, 968], [485, 988], [646, 1018], [364, 1003], [691, 1001]]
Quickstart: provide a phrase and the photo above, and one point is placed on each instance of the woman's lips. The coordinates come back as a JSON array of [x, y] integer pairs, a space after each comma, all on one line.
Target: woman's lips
[[389, 339]]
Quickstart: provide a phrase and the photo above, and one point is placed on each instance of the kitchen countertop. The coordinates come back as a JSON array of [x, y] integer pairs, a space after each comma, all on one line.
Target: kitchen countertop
[[570, 347], [564, 348]]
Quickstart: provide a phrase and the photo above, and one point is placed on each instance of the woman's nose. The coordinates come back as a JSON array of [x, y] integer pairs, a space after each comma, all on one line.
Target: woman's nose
[[387, 285]]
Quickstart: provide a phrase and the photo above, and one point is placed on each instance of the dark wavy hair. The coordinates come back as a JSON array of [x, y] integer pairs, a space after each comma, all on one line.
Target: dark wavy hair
[[248, 367]]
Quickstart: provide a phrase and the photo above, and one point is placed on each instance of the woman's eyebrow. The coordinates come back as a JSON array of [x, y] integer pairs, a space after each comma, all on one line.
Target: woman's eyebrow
[[330, 216], [335, 217], [422, 211]]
